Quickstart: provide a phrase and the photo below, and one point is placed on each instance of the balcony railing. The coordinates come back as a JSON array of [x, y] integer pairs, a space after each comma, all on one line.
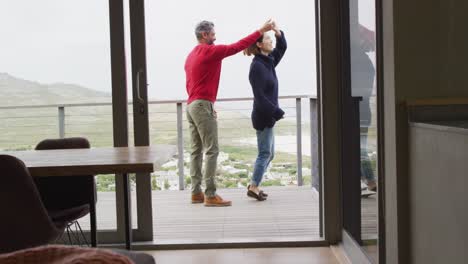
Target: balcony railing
[[24, 126]]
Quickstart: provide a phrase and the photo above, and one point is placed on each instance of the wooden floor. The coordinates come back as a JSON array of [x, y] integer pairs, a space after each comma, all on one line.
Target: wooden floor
[[289, 214], [247, 256], [369, 214], [372, 251]]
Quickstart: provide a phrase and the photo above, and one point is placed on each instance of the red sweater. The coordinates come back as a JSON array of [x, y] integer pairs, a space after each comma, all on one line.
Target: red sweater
[[203, 67]]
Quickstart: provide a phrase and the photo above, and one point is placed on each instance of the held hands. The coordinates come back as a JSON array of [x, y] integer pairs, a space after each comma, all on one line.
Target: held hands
[[267, 26], [270, 24]]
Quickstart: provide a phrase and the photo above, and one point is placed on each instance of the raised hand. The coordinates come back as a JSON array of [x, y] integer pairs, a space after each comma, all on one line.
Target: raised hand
[[267, 26], [276, 29]]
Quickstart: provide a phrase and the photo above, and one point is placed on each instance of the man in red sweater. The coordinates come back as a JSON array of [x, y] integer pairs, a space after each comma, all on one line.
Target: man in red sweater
[[203, 69]]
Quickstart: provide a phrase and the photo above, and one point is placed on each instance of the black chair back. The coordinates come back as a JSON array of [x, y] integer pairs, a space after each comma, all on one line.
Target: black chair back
[[24, 222], [59, 193]]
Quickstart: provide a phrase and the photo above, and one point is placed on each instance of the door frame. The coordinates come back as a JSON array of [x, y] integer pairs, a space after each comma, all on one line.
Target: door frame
[[351, 246], [329, 25], [140, 117], [144, 230]]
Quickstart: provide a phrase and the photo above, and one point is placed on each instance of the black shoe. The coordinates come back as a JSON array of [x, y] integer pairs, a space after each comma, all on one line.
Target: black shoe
[[254, 195]]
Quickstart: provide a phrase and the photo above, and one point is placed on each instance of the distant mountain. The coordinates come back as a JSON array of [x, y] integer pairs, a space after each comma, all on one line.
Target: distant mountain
[[17, 91]]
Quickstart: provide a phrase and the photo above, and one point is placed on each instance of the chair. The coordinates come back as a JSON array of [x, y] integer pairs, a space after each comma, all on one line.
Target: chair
[[25, 222], [69, 198], [25, 226]]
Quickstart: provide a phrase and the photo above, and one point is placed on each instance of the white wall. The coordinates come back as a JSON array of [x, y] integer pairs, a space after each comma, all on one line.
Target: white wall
[[425, 56]]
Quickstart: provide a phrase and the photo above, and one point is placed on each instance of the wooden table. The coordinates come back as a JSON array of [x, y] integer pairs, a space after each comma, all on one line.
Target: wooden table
[[113, 160]]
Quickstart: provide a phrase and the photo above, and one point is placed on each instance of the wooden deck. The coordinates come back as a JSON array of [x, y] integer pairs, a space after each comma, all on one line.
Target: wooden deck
[[289, 214]]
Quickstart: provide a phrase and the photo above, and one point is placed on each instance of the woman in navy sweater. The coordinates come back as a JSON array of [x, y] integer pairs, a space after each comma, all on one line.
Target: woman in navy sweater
[[266, 110]]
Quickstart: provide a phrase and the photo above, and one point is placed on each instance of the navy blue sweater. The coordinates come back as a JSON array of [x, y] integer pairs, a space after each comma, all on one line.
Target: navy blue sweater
[[262, 77]]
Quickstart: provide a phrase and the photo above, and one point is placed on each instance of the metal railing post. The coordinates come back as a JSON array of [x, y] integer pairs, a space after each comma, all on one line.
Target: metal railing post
[[314, 144], [299, 141], [61, 121], [314, 156], [180, 146]]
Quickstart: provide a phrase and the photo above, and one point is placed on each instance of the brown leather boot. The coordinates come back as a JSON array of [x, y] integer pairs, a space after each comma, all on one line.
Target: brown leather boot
[[217, 201], [198, 198]]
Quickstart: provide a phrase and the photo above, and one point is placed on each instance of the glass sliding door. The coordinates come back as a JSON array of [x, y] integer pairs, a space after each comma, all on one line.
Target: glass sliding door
[[56, 81], [63, 73], [130, 111], [292, 179], [360, 139], [140, 116]]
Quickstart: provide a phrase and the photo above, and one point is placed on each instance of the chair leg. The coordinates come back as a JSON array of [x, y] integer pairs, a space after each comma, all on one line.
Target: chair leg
[[78, 228], [75, 235], [70, 242], [92, 218], [60, 238]]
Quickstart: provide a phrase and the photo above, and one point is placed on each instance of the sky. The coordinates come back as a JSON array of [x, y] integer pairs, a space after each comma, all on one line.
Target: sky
[[52, 41]]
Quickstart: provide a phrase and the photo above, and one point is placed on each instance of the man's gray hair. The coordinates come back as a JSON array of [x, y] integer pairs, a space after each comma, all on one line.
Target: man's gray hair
[[203, 26]]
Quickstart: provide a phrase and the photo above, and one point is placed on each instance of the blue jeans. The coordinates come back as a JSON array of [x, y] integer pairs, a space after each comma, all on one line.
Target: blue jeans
[[367, 174], [266, 152]]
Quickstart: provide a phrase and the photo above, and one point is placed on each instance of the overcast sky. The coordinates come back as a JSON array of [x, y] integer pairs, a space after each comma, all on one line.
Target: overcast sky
[[68, 41]]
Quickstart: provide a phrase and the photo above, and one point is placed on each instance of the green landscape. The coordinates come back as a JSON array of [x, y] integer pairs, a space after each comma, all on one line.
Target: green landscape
[[22, 128]]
